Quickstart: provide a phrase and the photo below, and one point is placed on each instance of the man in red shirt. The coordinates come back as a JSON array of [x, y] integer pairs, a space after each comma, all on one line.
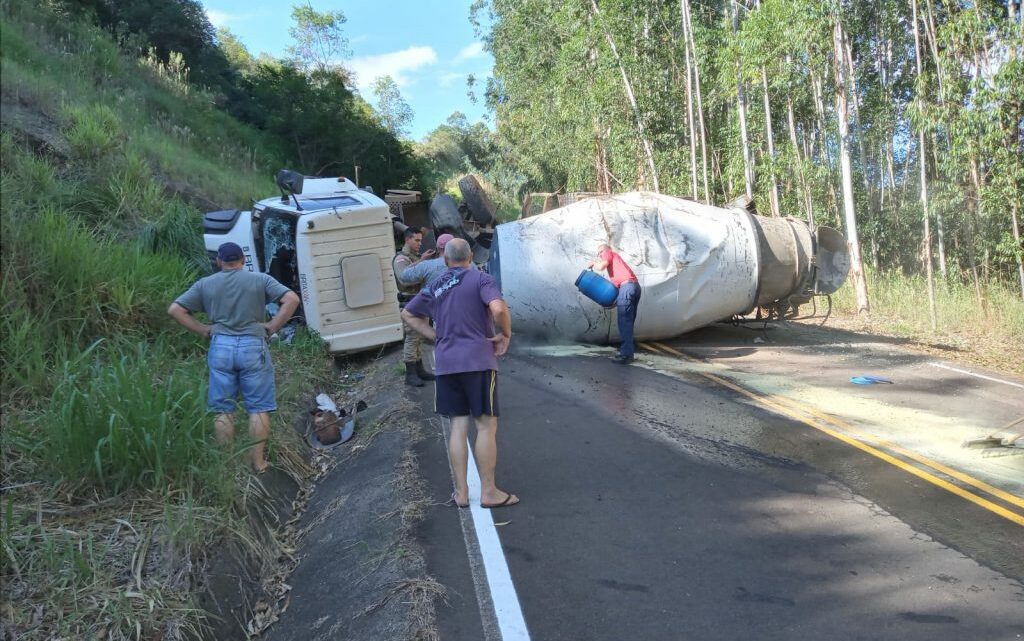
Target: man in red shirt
[[622, 276]]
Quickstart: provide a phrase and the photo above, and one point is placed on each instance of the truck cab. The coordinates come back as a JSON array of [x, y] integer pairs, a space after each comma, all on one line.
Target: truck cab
[[330, 242]]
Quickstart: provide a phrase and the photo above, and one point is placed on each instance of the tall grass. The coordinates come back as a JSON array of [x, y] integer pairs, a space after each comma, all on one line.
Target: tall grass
[[70, 287], [93, 131], [72, 71], [131, 422], [901, 301], [114, 486]]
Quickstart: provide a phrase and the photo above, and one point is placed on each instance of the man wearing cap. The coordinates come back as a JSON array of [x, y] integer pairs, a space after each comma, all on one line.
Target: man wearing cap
[[235, 299], [406, 259], [424, 271]]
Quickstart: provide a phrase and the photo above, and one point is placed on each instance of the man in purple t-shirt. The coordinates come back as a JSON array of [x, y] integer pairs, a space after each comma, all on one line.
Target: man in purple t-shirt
[[466, 306]]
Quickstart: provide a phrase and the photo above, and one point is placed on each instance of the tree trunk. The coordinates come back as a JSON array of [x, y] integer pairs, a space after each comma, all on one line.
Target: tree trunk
[[804, 189], [824, 156], [856, 265], [773, 194], [687, 17], [971, 222], [689, 103], [819, 111], [1016, 238], [741, 106], [649, 152], [855, 105], [889, 162], [924, 184]]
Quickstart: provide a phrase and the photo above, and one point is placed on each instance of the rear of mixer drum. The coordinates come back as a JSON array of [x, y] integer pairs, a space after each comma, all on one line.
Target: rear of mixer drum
[[833, 261]]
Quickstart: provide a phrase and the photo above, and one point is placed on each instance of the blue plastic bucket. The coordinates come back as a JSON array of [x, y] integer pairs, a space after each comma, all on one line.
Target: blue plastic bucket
[[597, 288]]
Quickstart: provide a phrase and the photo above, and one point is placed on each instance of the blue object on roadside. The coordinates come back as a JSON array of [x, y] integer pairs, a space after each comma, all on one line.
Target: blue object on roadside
[[347, 431], [597, 288], [868, 379]]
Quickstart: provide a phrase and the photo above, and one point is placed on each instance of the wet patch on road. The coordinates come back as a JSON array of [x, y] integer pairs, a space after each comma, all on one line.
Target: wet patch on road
[[928, 618]]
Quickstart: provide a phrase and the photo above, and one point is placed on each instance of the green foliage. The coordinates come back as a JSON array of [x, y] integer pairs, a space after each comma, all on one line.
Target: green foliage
[[175, 234], [560, 134], [235, 52], [331, 129], [395, 112], [131, 423], [456, 148], [105, 162], [179, 27], [67, 287], [319, 39]]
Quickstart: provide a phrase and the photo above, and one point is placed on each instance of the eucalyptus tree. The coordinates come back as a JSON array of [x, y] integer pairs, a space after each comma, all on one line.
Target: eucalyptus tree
[[840, 67], [897, 119], [395, 113], [319, 39]]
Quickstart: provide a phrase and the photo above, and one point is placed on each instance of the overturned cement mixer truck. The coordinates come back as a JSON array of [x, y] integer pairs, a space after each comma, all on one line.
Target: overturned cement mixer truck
[[333, 244], [697, 264]]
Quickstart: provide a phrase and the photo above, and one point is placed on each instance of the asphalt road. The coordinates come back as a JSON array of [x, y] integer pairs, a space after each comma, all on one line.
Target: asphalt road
[[723, 488]]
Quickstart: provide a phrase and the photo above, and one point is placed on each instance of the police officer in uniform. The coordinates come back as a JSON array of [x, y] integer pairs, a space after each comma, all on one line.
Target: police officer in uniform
[[412, 355]]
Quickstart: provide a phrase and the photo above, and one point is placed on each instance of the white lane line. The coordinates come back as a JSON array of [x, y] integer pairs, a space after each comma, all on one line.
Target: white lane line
[[495, 588], [987, 378]]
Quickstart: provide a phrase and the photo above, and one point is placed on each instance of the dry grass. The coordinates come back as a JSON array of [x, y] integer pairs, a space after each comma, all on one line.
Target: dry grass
[[989, 333], [975, 346]]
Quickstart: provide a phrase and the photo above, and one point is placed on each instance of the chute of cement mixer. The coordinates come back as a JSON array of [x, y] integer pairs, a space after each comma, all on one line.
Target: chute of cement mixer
[[696, 263]]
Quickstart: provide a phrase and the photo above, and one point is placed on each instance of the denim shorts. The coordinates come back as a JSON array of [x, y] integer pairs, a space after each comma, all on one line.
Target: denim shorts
[[240, 364]]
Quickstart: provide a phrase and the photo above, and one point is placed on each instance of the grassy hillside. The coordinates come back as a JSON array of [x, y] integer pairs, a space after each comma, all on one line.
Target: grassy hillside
[[113, 490]]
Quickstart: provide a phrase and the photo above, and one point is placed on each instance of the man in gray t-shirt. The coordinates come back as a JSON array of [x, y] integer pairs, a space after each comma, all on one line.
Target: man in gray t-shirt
[[235, 301]]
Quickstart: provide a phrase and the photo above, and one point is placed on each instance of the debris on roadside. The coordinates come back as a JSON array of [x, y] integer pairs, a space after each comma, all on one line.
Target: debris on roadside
[[1010, 435], [325, 430], [868, 379]]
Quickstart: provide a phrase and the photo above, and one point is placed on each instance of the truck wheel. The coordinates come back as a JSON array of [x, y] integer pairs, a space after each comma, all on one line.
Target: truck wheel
[[444, 214], [446, 219], [479, 203]]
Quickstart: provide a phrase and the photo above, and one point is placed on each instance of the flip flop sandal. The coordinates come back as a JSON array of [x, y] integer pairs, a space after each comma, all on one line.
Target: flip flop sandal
[[454, 501], [508, 502]]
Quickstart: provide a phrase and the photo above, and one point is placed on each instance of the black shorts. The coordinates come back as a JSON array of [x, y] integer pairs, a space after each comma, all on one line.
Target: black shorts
[[467, 394]]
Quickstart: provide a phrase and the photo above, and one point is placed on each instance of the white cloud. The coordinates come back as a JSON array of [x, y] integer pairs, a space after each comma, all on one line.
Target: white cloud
[[448, 79], [396, 64], [470, 51], [219, 18]]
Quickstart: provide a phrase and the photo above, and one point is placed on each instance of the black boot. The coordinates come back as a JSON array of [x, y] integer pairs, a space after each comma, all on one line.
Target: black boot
[[422, 372], [410, 375]]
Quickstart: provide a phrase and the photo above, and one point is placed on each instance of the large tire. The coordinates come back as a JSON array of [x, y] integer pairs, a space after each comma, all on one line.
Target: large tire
[[479, 203], [446, 219], [444, 213]]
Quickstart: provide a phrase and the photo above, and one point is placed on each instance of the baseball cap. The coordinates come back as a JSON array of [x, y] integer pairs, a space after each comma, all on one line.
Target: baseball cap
[[229, 253], [442, 240]]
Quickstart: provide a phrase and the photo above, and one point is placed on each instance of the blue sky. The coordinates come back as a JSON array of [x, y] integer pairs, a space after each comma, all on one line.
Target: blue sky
[[427, 46]]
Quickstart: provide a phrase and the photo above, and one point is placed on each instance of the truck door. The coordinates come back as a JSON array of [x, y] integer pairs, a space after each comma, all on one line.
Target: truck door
[[278, 245]]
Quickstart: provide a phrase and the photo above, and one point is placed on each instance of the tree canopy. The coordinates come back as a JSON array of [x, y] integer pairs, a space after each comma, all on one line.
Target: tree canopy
[[825, 111]]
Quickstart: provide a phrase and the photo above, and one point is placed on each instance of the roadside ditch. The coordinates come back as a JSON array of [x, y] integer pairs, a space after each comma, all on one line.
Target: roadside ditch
[[337, 557]]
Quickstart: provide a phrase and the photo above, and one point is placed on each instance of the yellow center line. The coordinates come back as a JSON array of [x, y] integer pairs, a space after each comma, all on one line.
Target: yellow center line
[[855, 431], [899, 449], [798, 414]]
